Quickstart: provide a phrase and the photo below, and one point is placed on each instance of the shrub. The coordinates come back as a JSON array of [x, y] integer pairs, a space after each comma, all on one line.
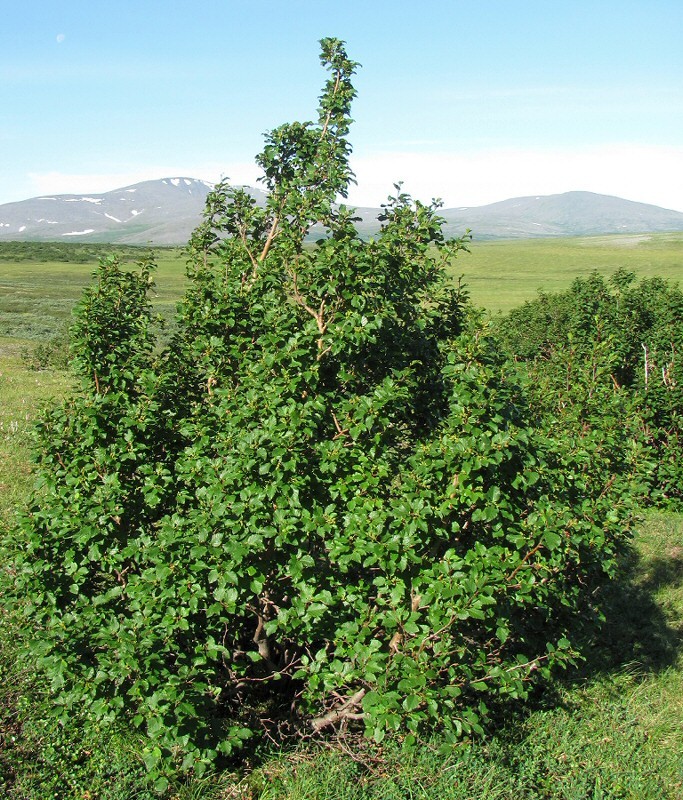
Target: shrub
[[323, 505], [605, 357], [51, 354]]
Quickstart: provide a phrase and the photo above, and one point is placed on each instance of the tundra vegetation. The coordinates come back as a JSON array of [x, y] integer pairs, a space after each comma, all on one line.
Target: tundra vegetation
[[336, 504], [605, 356]]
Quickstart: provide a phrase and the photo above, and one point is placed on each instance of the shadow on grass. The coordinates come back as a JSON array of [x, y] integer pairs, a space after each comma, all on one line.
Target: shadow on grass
[[636, 631], [663, 572], [641, 634]]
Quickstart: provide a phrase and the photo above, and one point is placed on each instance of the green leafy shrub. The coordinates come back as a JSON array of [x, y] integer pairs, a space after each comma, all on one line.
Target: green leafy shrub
[[604, 358], [51, 354], [324, 504]]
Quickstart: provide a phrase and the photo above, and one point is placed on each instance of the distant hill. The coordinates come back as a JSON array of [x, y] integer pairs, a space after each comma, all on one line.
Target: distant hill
[[568, 214], [165, 211], [161, 212]]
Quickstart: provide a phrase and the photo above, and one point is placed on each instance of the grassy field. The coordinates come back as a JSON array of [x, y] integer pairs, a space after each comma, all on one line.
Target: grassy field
[[36, 296], [502, 275], [612, 729], [21, 392]]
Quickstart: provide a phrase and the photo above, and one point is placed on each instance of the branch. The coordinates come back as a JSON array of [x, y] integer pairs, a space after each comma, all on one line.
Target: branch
[[329, 113], [269, 241], [243, 236], [340, 431], [521, 564], [318, 316], [262, 643], [345, 711], [301, 300], [120, 576]]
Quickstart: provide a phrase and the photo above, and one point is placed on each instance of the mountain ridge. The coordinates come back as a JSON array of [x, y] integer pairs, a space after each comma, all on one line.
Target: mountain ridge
[[165, 211]]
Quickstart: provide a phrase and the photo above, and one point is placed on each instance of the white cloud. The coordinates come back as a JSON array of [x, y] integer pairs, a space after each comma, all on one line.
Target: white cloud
[[641, 173]]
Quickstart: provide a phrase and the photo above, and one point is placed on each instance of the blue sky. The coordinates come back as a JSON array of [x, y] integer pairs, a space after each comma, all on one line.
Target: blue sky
[[471, 101]]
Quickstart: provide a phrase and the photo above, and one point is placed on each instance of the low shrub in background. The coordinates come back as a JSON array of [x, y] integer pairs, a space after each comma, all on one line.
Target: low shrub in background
[[51, 354], [604, 358]]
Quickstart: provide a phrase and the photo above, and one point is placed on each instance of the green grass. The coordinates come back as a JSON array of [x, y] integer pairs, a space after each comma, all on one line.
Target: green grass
[[502, 275], [21, 393], [612, 729], [37, 296]]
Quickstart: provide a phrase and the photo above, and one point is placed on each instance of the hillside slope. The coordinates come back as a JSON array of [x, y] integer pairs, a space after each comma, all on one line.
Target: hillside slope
[[164, 212], [568, 214], [152, 212]]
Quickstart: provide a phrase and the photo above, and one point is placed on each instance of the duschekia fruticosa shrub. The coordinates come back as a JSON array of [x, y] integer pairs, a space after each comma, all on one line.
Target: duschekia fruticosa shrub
[[323, 506], [603, 359]]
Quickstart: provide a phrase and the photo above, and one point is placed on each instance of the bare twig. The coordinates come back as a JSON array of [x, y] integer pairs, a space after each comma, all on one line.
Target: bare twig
[[340, 431], [521, 564]]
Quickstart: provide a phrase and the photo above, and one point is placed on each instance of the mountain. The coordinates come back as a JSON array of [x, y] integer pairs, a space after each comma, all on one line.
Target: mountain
[[152, 212], [568, 214], [164, 212]]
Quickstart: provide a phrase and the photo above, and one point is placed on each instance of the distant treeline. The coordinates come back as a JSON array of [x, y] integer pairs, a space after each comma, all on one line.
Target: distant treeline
[[70, 252]]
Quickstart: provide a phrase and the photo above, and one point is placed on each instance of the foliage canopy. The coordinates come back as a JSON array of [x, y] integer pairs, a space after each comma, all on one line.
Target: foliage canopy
[[324, 505], [605, 356]]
